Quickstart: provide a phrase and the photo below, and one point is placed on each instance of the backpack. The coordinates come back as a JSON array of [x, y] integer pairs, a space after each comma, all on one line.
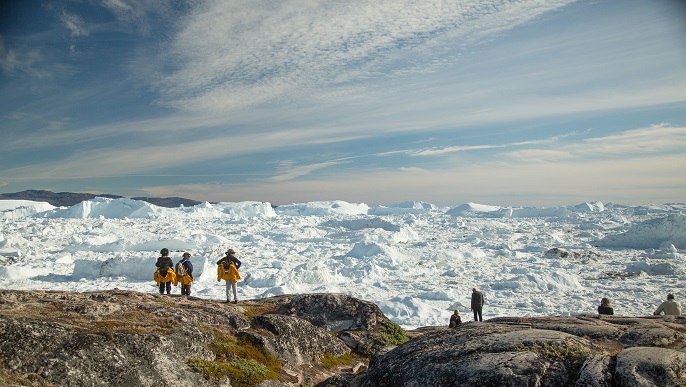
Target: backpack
[[181, 269], [227, 265], [164, 270]]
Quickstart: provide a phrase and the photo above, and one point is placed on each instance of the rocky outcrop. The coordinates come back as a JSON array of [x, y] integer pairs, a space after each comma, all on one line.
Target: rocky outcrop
[[123, 338], [333, 312], [540, 351], [283, 335]]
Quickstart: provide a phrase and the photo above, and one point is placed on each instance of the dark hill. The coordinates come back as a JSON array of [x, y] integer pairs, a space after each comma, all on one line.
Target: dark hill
[[58, 199], [170, 202], [66, 199]]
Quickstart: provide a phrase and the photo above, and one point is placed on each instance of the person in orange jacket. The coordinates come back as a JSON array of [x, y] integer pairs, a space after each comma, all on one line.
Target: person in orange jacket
[[227, 269]]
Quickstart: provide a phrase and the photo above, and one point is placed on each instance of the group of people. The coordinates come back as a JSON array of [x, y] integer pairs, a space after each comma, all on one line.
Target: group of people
[[476, 307], [669, 308], [227, 269], [167, 273]]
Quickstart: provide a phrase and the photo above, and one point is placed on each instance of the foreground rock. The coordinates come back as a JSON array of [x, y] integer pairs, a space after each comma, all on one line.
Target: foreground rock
[[540, 351], [122, 338]]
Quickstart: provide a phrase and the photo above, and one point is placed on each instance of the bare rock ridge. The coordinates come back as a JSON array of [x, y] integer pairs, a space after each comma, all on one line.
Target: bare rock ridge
[[584, 350], [124, 338]]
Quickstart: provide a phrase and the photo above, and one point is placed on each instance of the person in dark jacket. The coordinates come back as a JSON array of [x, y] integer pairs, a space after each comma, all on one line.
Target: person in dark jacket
[[227, 269], [164, 265], [477, 304], [184, 272], [605, 307], [455, 319]]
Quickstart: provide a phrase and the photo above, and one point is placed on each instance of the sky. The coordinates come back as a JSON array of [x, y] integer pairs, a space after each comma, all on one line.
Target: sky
[[522, 102]]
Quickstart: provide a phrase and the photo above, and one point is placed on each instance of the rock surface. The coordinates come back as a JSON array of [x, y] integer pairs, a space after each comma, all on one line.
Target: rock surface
[[585, 350], [123, 338]]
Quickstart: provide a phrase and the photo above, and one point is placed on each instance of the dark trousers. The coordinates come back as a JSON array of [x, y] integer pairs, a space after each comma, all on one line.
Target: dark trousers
[[164, 285], [477, 312], [185, 290]]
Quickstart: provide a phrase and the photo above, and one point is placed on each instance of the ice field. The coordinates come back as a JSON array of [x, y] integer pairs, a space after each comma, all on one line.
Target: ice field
[[415, 260]]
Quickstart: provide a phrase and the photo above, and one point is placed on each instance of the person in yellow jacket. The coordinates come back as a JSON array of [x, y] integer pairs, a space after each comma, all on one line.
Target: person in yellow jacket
[[164, 275], [227, 269], [184, 272]]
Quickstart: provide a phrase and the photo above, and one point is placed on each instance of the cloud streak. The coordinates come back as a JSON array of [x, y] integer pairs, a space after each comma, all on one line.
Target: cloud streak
[[236, 54], [439, 151], [74, 24], [659, 139], [657, 179]]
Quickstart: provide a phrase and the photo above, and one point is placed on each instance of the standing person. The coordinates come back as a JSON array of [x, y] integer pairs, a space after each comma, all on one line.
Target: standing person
[[477, 304], [455, 319], [184, 272], [605, 307], [227, 269], [670, 307], [164, 276]]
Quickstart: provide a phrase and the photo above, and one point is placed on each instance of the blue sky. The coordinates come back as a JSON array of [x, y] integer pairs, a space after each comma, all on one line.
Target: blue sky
[[527, 102]]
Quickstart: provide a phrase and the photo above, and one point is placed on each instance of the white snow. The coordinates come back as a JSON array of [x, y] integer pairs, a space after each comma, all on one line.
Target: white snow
[[417, 261], [16, 209]]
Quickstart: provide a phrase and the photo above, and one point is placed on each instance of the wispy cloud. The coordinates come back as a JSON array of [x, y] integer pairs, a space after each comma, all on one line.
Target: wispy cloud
[[235, 54], [656, 179], [345, 92], [444, 150], [25, 61], [145, 158], [143, 15], [289, 172], [652, 140], [74, 24]]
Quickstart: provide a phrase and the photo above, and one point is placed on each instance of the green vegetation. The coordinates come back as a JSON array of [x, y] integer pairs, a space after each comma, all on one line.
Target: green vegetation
[[330, 361], [258, 309], [131, 321], [572, 356], [244, 362], [391, 334], [136, 321], [243, 372], [166, 302]]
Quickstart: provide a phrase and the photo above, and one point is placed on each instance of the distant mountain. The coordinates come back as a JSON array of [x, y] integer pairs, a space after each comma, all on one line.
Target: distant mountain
[[171, 202], [66, 199]]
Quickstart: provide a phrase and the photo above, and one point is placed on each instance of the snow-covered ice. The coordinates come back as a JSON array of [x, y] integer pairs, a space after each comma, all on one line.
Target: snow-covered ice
[[417, 261]]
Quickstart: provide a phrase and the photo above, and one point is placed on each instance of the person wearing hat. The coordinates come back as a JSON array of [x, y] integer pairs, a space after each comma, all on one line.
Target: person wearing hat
[[455, 319], [227, 269], [184, 272], [164, 276], [670, 307]]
